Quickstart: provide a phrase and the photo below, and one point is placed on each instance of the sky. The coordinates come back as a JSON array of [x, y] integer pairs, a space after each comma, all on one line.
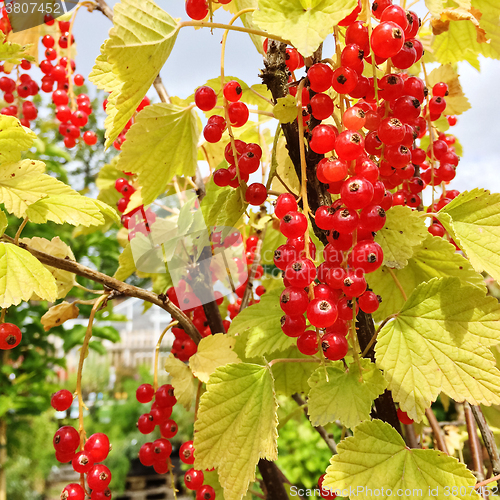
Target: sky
[[196, 58]]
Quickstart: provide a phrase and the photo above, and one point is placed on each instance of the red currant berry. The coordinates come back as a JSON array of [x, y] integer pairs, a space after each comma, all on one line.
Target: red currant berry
[[99, 477], [206, 492], [197, 9], [144, 393], [165, 396], [82, 462], [334, 346], [326, 493], [321, 313], [285, 203], [307, 343], [66, 440], [293, 225], [10, 336], [321, 106], [193, 479], [146, 454], [168, 429], [354, 284], [238, 114], [293, 326], [98, 446], [356, 192], [387, 39], [320, 77], [161, 449], [367, 256], [205, 98], [186, 453], [61, 400], [233, 91], [256, 194], [323, 138], [403, 417], [73, 492], [369, 302], [349, 145], [90, 138], [294, 301]]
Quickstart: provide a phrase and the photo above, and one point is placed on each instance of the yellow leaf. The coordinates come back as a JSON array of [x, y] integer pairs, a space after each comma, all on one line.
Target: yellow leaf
[[57, 248], [57, 315], [285, 170], [182, 380], [213, 351], [443, 23]]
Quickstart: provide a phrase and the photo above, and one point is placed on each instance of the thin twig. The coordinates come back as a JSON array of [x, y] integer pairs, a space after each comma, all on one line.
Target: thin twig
[[398, 284], [411, 439], [437, 431], [488, 439], [474, 443], [330, 442], [372, 340], [113, 284]]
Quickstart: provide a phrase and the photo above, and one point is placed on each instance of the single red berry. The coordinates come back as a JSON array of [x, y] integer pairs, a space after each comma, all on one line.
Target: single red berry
[[73, 492], [320, 77], [285, 203], [301, 272], [99, 477], [323, 138], [307, 343], [82, 462], [369, 302], [205, 98], [165, 396], [193, 479], [186, 452], [325, 492], [293, 224], [98, 446], [293, 326], [403, 417], [197, 9], [349, 145], [233, 91], [144, 393], [321, 106], [321, 312], [90, 137], [146, 454], [10, 336], [61, 400], [334, 346], [237, 113], [294, 301], [387, 39], [367, 256], [256, 194], [66, 440], [162, 449], [354, 284], [101, 495], [206, 492], [169, 429], [356, 192]]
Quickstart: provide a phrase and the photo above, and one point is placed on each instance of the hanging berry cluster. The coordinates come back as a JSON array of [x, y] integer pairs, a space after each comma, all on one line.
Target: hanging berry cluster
[[58, 79], [157, 453], [86, 461]]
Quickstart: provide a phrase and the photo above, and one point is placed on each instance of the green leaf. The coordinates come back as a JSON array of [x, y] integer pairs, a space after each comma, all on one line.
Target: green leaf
[[214, 200], [24, 183], [440, 342], [3, 222], [285, 109], [404, 229], [14, 138], [213, 351], [490, 22], [305, 27], [290, 378], [236, 6], [272, 240], [473, 220], [347, 395], [434, 258], [161, 144], [376, 456], [262, 321], [236, 425], [140, 42], [183, 381], [21, 275], [72, 209], [126, 264], [285, 170]]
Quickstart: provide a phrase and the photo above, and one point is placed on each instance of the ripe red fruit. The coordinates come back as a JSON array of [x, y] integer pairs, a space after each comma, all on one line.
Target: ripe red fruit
[[165, 396], [294, 301], [232, 91], [168, 429], [61, 400], [256, 194], [300, 273], [144, 393], [10, 336], [356, 192], [320, 77], [323, 138], [98, 446], [82, 462], [206, 492], [238, 114], [307, 343], [101, 495], [90, 137], [66, 440], [193, 479], [99, 477], [344, 80], [161, 449], [293, 326], [387, 39], [186, 453], [349, 145], [354, 284], [403, 417], [369, 302], [197, 9], [285, 203], [334, 346], [146, 454], [73, 492], [322, 312], [321, 106], [205, 97], [293, 224], [372, 218], [326, 493], [367, 256]]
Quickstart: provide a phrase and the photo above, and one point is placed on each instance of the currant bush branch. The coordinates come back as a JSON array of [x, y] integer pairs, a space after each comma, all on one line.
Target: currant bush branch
[[437, 431], [113, 284], [474, 443], [157, 353], [488, 438]]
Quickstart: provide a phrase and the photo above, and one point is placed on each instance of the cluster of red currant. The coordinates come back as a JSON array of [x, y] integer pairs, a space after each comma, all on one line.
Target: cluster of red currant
[[330, 305], [73, 117], [87, 461], [10, 336], [157, 453], [198, 9], [248, 155]]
